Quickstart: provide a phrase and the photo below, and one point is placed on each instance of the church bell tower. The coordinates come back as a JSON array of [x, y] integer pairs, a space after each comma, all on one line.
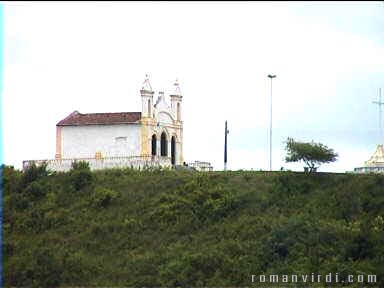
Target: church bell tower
[[146, 99], [176, 102]]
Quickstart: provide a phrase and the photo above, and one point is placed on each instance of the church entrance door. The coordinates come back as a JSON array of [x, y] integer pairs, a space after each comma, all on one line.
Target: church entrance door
[[154, 148], [163, 144], [173, 150]]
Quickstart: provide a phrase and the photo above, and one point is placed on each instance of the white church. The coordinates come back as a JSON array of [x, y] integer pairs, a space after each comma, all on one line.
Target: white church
[[150, 138]]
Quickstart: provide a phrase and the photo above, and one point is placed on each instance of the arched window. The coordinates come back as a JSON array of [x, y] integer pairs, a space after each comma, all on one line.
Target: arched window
[[154, 144], [178, 111], [173, 150], [164, 144], [149, 108]]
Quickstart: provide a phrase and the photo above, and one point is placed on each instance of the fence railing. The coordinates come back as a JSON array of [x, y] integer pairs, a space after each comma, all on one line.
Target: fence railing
[[201, 165], [135, 162], [369, 169]]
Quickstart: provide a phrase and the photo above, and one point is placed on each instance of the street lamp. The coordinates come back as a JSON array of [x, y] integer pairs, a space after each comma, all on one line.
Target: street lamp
[[270, 128]]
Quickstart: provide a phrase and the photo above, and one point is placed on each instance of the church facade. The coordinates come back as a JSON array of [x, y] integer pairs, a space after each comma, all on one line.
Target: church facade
[[152, 137]]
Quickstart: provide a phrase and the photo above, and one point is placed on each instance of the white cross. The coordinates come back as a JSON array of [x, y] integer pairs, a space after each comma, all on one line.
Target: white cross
[[380, 103]]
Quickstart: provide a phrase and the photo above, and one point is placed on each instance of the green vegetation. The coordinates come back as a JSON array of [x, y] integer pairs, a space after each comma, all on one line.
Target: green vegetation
[[127, 228], [312, 154]]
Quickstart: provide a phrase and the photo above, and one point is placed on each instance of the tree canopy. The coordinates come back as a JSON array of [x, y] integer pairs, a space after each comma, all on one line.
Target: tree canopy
[[312, 154]]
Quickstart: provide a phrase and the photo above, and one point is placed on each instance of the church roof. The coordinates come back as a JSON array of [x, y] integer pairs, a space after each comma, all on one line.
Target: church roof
[[377, 158], [78, 119]]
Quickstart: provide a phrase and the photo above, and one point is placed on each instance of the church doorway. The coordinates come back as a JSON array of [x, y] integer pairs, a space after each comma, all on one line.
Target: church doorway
[[154, 143], [173, 150], [164, 144]]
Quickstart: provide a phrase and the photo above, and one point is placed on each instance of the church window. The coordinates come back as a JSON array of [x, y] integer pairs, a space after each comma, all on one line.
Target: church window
[[120, 140], [149, 108], [164, 144]]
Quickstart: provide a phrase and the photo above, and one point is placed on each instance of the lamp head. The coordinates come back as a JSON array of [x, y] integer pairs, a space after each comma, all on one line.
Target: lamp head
[[271, 76]]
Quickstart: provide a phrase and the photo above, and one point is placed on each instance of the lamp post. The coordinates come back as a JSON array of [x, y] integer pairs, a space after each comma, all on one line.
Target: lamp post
[[270, 128]]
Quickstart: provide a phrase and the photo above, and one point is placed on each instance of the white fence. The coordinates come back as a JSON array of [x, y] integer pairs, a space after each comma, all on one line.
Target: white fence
[[201, 166], [369, 169], [136, 162]]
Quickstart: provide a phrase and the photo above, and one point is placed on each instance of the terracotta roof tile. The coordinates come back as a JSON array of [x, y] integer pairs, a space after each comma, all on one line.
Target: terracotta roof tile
[[78, 119]]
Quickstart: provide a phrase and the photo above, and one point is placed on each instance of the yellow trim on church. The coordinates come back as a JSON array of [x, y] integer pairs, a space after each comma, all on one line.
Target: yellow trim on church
[[146, 123]]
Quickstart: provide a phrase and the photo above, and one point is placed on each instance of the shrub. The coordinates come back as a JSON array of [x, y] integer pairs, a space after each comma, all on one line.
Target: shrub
[[33, 173], [81, 175], [81, 179], [102, 197], [80, 165], [288, 183], [194, 269], [40, 268], [198, 201], [11, 179], [36, 190]]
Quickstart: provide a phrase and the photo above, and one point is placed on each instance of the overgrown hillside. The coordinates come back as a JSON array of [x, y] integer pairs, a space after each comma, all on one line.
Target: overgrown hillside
[[176, 228]]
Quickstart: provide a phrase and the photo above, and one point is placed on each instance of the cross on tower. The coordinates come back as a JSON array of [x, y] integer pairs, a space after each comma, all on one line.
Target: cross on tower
[[146, 84], [380, 103]]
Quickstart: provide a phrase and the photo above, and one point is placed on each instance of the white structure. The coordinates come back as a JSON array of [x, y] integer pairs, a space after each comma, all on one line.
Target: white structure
[[375, 164], [152, 137], [201, 166]]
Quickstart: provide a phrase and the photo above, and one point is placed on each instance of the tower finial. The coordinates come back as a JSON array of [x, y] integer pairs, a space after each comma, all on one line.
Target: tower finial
[[146, 85], [177, 87]]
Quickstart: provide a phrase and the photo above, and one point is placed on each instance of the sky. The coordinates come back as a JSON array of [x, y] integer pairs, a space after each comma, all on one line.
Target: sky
[[93, 57]]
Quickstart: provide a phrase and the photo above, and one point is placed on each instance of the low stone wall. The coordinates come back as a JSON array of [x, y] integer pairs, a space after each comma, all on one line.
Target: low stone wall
[[136, 162]]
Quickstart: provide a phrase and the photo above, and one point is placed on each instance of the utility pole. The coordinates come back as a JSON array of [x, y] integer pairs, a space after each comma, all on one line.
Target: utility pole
[[225, 146], [270, 128]]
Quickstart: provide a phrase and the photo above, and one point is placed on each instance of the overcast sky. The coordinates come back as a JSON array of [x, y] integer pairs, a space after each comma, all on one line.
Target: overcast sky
[[93, 57]]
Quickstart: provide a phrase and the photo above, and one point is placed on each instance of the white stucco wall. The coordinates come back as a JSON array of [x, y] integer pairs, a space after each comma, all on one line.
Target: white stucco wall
[[85, 141]]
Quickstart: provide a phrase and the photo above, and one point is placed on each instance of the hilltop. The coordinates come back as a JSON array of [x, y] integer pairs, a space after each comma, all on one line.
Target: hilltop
[[178, 228]]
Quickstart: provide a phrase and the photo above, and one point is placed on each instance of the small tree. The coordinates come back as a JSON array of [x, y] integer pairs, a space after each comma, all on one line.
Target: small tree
[[313, 154], [81, 175]]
